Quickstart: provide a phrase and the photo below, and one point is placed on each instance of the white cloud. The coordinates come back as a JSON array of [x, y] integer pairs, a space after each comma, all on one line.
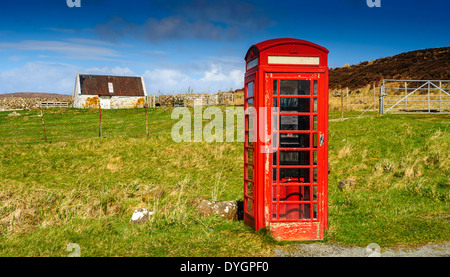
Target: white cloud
[[90, 41], [167, 28], [215, 77], [202, 77], [70, 49], [224, 20], [166, 81], [16, 58], [117, 70], [50, 77], [218, 74], [38, 77]]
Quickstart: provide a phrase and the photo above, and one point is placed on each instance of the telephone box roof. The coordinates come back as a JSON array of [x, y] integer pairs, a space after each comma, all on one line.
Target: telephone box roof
[[267, 44]]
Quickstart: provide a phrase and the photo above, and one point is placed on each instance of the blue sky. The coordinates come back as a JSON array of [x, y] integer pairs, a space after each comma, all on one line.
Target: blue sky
[[198, 44]]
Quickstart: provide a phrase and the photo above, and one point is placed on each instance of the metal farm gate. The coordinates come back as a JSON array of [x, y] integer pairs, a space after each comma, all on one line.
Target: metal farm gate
[[415, 96]]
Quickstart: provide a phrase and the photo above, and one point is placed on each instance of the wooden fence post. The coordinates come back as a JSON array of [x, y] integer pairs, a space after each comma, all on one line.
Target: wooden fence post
[[100, 121], [347, 98], [406, 93], [374, 98], [146, 119], [43, 125], [342, 103]]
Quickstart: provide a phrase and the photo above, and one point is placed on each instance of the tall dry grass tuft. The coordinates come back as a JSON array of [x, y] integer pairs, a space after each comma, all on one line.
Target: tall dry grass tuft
[[345, 151], [114, 164], [218, 187], [172, 209], [24, 209]]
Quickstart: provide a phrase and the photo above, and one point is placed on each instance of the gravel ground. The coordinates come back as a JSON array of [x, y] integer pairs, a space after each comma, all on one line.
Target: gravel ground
[[372, 250]]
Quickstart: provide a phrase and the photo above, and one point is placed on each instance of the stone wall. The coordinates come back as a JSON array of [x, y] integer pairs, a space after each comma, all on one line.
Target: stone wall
[[20, 103], [221, 98]]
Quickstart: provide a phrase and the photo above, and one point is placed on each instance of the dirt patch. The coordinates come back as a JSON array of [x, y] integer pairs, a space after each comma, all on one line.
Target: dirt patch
[[372, 250]]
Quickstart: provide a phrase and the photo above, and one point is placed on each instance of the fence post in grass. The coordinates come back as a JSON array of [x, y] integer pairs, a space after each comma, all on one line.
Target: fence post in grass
[[146, 119], [100, 120], [347, 98], [429, 98], [342, 103], [374, 98], [43, 125], [381, 103], [406, 94]]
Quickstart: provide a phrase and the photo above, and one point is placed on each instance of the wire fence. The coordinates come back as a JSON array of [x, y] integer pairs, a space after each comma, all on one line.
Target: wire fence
[[61, 124], [67, 124], [344, 99], [415, 96]]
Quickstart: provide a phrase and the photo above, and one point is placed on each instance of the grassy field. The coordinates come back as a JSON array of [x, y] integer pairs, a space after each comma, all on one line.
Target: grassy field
[[79, 188]]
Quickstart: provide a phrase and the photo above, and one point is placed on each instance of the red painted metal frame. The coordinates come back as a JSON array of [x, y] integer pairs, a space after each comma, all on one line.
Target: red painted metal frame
[[250, 218], [262, 75]]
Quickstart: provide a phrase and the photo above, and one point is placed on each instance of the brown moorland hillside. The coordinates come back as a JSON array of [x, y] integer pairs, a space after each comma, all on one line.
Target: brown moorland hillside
[[426, 64], [35, 95]]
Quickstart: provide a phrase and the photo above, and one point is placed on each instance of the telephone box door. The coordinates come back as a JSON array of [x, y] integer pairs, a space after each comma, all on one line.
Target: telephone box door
[[298, 158], [251, 204]]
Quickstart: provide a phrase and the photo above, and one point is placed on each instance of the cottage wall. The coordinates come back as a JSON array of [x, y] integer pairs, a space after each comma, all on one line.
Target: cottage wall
[[85, 101], [117, 102], [112, 92], [124, 102]]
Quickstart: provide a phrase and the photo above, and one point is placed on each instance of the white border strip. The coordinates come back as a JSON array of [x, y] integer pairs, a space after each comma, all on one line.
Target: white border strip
[[294, 60]]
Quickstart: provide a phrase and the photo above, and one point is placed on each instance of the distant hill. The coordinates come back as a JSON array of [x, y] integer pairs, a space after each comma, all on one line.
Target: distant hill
[[36, 95], [426, 64]]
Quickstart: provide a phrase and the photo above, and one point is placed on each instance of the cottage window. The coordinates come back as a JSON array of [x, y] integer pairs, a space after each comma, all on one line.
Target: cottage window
[[110, 87]]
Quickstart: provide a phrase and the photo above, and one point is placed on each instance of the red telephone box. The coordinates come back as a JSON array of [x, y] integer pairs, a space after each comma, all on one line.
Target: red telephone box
[[286, 139]]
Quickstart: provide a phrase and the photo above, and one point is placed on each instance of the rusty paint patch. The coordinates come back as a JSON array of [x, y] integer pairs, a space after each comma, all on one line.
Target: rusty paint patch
[[140, 103], [92, 102]]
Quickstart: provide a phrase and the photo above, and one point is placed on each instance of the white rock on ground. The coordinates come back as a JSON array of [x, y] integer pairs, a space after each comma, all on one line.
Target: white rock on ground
[[140, 215]]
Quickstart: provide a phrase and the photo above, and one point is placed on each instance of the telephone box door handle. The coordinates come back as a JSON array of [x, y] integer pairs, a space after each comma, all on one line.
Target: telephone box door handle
[[322, 140]]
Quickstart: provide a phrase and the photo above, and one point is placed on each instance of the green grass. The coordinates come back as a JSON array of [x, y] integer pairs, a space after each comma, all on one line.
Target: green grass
[[401, 167], [59, 192]]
